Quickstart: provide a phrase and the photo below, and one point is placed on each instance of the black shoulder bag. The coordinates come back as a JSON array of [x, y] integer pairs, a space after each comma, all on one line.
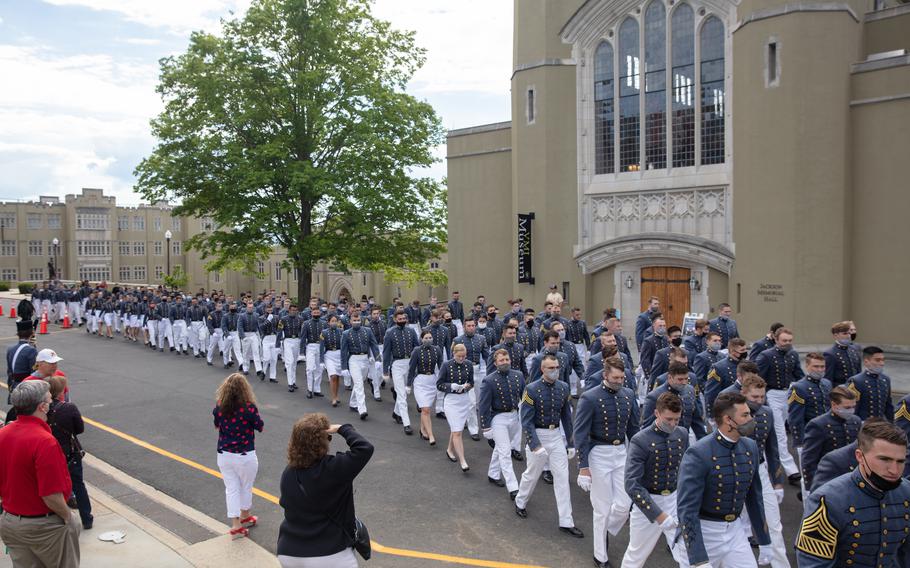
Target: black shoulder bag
[[360, 540]]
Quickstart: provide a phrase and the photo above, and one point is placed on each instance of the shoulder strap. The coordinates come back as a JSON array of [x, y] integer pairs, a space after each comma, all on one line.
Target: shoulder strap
[[16, 356]]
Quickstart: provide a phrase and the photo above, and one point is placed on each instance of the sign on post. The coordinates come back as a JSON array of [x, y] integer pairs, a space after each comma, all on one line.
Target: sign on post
[[525, 276], [688, 326]]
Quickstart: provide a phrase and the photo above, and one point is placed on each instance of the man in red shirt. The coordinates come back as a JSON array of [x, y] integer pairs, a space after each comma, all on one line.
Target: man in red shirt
[[36, 525]]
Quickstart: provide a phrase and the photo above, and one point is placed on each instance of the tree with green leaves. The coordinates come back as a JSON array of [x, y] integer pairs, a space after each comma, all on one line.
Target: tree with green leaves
[[292, 129]]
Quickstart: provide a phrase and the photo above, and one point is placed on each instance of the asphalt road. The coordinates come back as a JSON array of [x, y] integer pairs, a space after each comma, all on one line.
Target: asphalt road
[[410, 495]]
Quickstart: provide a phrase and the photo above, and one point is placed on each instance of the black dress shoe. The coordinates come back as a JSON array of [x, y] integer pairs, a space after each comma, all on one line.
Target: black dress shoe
[[318, 395], [451, 458], [441, 415], [349, 388], [523, 513], [260, 374], [516, 455], [475, 437], [547, 477], [227, 366], [377, 398], [408, 431], [196, 355], [491, 443], [513, 494], [364, 416], [497, 482], [292, 389], [396, 418], [799, 496], [309, 395], [295, 387], [352, 408], [187, 353], [794, 479], [246, 373], [230, 364], [209, 363], [572, 531], [273, 380], [465, 468], [599, 564]]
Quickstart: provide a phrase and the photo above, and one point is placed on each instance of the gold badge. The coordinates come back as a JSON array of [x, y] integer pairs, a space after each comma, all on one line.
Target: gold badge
[[817, 536]]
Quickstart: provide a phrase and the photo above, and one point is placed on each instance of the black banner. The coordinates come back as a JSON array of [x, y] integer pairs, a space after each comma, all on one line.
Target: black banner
[[524, 248]]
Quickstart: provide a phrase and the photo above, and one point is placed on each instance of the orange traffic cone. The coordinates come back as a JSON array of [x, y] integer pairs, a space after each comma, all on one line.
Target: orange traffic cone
[[12, 312], [42, 329], [1, 309], [66, 319]]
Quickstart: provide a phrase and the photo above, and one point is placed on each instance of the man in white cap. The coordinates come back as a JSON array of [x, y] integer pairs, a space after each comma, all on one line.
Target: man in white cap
[[46, 366], [554, 297]]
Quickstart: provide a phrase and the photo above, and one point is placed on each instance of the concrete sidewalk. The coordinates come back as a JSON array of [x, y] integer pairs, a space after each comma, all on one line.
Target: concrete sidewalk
[[160, 531]]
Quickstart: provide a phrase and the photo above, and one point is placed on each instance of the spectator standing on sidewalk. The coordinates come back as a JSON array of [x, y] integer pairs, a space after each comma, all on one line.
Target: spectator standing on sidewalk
[[66, 424], [20, 358], [237, 419], [36, 526], [317, 495]]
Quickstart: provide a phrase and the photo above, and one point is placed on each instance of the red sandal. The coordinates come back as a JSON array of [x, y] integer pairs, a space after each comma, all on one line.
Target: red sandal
[[250, 521], [239, 533]]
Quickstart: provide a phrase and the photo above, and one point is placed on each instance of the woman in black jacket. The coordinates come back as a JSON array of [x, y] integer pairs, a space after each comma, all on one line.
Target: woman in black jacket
[[317, 495], [66, 423]]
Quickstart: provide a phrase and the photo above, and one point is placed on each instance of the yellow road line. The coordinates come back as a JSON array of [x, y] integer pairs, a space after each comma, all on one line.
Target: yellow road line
[[273, 499]]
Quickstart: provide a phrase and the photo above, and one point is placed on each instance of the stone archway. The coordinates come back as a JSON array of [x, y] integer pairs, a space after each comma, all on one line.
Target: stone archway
[[340, 287]]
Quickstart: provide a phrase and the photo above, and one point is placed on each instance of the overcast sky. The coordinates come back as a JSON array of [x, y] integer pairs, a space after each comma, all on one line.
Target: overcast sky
[[79, 76]]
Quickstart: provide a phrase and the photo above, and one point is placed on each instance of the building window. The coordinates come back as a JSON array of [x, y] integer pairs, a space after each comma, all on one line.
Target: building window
[[8, 248], [158, 224], [8, 220], [138, 223], [531, 106], [159, 272], [158, 247], [175, 248], [216, 277], [296, 275], [94, 273], [123, 223], [260, 270], [363, 279], [93, 248], [36, 274], [629, 89], [565, 292], [34, 220], [36, 248], [100, 221], [53, 220], [9, 274], [208, 224], [712, 92], [124, 273], [603, 109], [683, 71], [656, 87], [277, 272], [175, 223], [139, 274], [139, 248], [772, 64], [124, 248]]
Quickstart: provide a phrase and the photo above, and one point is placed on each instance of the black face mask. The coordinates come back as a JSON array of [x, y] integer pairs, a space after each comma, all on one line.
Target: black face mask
[[852, 337], [401, 323], [676, 341], [880, 482]]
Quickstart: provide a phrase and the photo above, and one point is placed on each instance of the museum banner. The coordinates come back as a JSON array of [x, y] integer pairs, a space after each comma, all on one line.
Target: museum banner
[[525, 276]]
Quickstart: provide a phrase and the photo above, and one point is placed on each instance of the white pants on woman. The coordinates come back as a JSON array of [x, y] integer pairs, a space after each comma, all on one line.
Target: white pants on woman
[[343, 559], [239, 472]]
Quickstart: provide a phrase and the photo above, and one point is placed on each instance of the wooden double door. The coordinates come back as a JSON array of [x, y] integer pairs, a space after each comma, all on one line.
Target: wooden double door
[[671, 285]]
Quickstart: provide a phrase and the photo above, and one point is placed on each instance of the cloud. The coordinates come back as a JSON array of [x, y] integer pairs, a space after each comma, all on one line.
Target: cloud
[[139, 40], [176, 16]]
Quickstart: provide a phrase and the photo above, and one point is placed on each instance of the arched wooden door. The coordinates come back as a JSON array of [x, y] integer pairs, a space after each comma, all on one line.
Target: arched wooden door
[[671, 285]]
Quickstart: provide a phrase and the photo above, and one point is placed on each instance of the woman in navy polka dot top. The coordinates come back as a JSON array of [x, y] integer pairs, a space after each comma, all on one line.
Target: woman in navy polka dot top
[[237, 419]]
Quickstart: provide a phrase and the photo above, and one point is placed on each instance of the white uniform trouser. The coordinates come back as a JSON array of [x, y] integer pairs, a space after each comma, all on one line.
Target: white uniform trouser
[[574, 379], [459, 326], [195, 336], [473, 422], [82, 305], [215, 338], [290, 351], [504, 426], [152, 327], [777, 551], [180, 335], [358, 368], [313, 368], [36, 303], [558, 460], [96, 320], [250, 343], [269, 355], [727, 545], [609, 499], [376, 376], [643, 535], [232, 345], [777, 400], [399, 382], [58, 311], [239, 473], [73, 308], [165, 331]]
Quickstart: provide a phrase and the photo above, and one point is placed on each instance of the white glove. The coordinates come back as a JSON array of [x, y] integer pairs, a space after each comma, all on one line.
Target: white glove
[[269, 318], [457, 387], [764, 555], [584, 481], [780, 495], [571, 452], [540, 451], [669, 523], [488, 433], [346, 373], [407, 391]]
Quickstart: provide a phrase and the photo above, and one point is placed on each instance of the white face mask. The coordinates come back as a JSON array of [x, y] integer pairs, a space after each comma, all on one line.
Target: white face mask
[[481, 326]]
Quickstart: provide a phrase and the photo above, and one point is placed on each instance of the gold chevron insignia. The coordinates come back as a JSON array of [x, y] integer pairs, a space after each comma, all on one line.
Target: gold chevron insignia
[[795, 398], [527, 399], [902, 412], [852, 388], [712, 375], [817, 536]]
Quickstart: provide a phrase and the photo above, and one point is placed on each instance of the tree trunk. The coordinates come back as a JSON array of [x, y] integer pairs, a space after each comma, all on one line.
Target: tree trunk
[[304, 284]]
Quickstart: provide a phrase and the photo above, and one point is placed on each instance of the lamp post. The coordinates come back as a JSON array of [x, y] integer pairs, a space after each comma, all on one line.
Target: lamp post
[[56, 243], [167, 237]]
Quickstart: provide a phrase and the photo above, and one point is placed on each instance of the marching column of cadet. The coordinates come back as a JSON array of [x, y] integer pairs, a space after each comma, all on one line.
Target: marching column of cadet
[[693, 443]]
